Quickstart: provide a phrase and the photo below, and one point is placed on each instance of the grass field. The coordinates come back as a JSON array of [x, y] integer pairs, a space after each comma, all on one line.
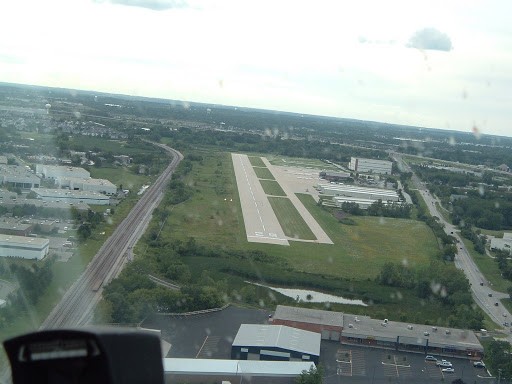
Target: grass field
[[291, 221], [263, 173], [272, 188], [120, 175], [488, 267], [256, 161]]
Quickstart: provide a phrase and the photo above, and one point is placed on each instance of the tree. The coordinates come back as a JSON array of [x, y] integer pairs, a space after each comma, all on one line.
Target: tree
[[313, 376]]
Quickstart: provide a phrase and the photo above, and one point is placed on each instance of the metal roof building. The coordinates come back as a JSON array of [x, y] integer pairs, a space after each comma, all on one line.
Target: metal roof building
[[16, 229], [95, 185], [24, 247], [68, 196], [363, 165], [504, 244], [275, 342], [18, 176], [56, 171], [194, 370], [359, 192]]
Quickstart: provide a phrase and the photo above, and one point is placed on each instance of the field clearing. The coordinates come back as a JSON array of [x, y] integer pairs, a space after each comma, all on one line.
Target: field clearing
[[272, 188], [256, 161], [121, 175], [291, 221], [358, 252], [263, 173]]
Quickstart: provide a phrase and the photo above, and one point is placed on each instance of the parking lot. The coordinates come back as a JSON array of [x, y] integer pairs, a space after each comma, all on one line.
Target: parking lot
[[354, 364]]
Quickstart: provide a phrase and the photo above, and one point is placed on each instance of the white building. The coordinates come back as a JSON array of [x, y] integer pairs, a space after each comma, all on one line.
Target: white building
[[24, 247], [59, 171], [73, 197], [18, 176], [94, 185], [362, 165], [359, 192], [504, 244]]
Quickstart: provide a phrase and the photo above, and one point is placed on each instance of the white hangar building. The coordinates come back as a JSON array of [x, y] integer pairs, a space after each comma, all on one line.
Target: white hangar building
[[362, 165], [18, 177], [74, 197], [24, 247], [94, 185], [59, 171]]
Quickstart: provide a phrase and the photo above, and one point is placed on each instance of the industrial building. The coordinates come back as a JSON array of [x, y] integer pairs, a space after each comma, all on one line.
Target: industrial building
[[79, 184], [504, 244], [363, 330], [17, 176], [275, 343], [60, 171], [72, 197], [15, 229], [24, 247], [358, 192], [361, 165], [328, 324], [3, 159]]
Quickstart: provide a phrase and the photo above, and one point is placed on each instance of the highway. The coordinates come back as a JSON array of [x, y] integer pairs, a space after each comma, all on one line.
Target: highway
[[482, 292], [77, 305]]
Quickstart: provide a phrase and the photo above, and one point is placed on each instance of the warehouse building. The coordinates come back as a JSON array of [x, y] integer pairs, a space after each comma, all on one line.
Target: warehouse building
[[23, 247], [72, 197], [15, 229], [275, 343], [3, 159], [362, 203], [361, 165], [17, 176], [90, 184], [357, 192], [60, 171], [399, 336], [329, 324]]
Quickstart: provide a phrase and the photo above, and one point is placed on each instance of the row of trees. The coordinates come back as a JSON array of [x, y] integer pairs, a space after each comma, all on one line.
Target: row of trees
[[397, 210], [440, 282]]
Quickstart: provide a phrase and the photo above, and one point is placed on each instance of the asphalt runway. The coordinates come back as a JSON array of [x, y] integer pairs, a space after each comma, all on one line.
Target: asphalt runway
[[261, 224]]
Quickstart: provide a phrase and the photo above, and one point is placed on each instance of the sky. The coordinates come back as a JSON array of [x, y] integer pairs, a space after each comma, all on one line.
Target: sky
[[438, 64]]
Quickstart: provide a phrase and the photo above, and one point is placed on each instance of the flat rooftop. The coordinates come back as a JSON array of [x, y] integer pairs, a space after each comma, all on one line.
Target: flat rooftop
[[307, 315], [278, 336], [14, 226], [414, 334], [90, 181], [67, 193], [217, 367], [22, 241], [352, 188]]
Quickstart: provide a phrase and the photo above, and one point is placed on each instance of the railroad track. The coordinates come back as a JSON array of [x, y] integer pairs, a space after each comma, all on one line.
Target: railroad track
[[77, 305]]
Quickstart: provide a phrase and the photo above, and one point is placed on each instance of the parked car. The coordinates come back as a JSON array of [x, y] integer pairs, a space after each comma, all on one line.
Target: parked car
[[448, 370], [444, 364], [478, 364], [430, 358]]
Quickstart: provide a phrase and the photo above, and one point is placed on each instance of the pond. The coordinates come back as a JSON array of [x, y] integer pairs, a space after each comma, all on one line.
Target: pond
[[308, 295]]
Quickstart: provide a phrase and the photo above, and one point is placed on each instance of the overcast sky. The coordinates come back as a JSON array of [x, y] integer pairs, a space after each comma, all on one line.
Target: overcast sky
[[440, 64]]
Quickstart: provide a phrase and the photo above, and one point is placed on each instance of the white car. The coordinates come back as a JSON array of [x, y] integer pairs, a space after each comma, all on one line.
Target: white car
[[444, 364], [448, 370]]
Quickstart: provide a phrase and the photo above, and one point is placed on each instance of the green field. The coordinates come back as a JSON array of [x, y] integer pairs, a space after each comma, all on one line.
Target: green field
[[291, 221], [358, 252], [488, 267], [272, 188], [121, 176], [256, 161], [263, 173]]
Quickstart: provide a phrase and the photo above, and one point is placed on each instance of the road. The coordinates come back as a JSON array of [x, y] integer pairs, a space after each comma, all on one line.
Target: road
[[482, 292], [77, 306]]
